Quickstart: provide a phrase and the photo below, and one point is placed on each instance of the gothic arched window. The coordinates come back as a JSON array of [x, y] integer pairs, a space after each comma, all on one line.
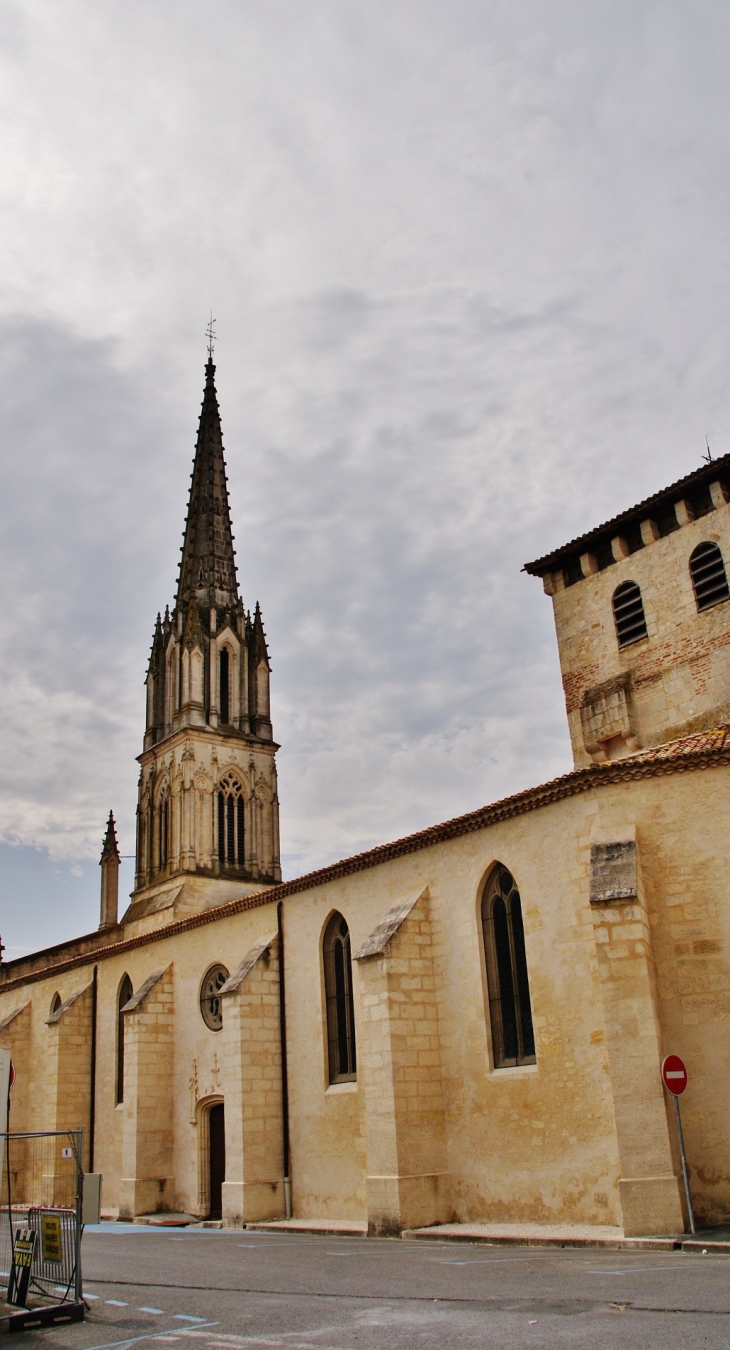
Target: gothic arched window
[[339, 1000], [125, 993], [231, 834], [513, 1038], [628, 613], [163, 828], [225, 687], [55, 1003], [709, 577]]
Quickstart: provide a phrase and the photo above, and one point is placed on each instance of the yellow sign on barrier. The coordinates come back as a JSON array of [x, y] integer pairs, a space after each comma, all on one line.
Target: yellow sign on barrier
[[51, 1237]]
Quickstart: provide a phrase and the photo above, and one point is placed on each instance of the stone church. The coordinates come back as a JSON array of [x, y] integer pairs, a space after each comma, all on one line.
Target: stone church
[[465, 1025]]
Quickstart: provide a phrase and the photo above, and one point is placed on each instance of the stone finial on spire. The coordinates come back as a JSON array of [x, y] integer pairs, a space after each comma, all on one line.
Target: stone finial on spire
[[109, 863], [111, 847]]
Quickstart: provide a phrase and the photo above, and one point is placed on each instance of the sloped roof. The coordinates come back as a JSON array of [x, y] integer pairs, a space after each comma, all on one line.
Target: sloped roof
[[708, 473], [703, 750]]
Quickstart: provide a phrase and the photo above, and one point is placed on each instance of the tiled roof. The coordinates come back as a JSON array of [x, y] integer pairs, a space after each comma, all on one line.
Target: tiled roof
[[703, 750], [707, 474]]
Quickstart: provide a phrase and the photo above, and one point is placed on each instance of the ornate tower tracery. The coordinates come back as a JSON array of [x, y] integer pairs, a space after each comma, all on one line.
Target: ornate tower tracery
[[208, 803]]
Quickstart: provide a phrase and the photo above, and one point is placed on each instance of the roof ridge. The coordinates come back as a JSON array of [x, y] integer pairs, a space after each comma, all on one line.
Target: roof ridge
[[705, 473], [643, 764]]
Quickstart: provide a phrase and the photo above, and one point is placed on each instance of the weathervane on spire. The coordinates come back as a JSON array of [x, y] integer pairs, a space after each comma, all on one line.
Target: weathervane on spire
[[210, 334]]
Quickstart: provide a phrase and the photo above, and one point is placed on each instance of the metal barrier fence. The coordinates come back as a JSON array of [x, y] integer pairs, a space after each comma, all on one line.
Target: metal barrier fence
[[40, 1216]]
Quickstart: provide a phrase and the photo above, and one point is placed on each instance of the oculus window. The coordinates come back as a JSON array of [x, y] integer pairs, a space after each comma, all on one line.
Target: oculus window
[[210, 1003]]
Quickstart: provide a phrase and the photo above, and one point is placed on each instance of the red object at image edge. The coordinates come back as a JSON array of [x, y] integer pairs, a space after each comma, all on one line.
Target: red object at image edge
[[674, 1075]]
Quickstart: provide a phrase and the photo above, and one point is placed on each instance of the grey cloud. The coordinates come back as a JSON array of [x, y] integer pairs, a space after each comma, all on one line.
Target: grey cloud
[[467, 263]]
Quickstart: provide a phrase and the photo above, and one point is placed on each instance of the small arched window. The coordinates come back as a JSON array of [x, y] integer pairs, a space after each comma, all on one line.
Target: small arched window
[[709, 578], [225, 687], [510, 1011], [340, 1005], [628, 613], [55, 1003], [231, 833], [125, 993]]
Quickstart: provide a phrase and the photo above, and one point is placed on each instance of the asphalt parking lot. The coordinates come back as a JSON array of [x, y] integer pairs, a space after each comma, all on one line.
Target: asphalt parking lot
[[220, 1290]]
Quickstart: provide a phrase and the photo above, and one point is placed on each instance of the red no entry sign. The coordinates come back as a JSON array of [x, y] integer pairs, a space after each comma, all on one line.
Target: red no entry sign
[[674, 1075]]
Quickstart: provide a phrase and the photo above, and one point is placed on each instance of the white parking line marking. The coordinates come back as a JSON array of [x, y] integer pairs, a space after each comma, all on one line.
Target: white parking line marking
[[116, 1303], [156, 1311], [185, 1317], [479, 1260], [637, 1270], [148, 1336]]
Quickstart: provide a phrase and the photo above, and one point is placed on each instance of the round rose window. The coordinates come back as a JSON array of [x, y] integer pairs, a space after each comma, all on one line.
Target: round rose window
[[210, 1004]]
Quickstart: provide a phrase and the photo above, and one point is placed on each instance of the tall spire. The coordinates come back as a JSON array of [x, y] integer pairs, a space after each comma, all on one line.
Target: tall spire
[[109, 876], [207, 566]]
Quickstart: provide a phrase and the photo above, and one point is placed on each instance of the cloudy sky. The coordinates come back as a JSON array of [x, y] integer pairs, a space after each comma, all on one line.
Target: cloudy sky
[[469, 263]]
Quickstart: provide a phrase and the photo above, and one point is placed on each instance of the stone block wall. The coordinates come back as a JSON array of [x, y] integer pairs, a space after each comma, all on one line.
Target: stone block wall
[[649, 1190], [674, 681], [400, 1056], [254, 1186], [147, 1183]]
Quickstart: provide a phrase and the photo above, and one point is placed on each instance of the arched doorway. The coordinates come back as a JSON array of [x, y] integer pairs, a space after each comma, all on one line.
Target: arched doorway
[[216, 1159]]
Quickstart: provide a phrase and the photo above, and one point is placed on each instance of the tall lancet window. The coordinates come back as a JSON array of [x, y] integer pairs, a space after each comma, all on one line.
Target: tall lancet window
[[225, 694], [163, 829], [231, 833], [125, 993], [510, 1010], [340, 1003]]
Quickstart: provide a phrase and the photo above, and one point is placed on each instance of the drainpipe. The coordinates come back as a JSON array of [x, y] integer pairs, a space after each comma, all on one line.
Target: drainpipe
[[284, 1076], [92, 1084]]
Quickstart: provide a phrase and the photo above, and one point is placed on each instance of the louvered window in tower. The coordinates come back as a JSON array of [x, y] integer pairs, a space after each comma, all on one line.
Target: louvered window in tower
[[628, 613], [709, 578], [510, 1010], [231, 832]]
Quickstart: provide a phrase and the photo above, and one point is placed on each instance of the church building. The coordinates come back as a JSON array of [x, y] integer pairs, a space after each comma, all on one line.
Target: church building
[[464, 1025]]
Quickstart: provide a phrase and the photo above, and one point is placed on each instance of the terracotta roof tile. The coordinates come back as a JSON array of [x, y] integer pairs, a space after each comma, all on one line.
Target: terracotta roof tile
[[703, 750], [706, 474]]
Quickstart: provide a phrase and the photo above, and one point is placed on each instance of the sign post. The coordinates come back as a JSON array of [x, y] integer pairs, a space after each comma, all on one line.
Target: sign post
[[6, 1079], [674, 1078]]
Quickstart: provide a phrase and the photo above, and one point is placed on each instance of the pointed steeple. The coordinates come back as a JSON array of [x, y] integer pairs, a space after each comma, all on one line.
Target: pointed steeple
[[111, 847], [259, 648], [207, 566], [109, 862]]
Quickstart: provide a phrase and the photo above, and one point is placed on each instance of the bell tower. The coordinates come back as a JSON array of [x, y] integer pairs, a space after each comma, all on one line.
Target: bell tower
[[208, 810]]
